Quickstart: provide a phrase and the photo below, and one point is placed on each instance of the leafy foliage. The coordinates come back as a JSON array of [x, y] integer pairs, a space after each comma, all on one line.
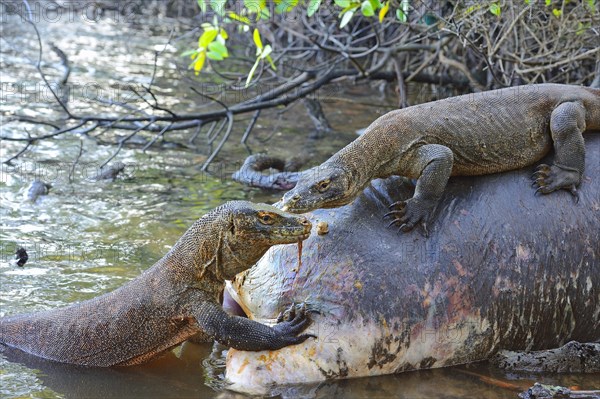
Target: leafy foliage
[[212, 43], [364, 31]]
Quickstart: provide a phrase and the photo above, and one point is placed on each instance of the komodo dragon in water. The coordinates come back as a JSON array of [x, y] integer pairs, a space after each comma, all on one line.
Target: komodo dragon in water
[[172, 301], [473, 134]]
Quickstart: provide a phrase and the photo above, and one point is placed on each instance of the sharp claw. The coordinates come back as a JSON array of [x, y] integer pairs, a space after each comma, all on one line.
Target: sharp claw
[[298, 326], [574, 193], [304, 337], [538, 191], [301, 313], [407, 227], [424, 225], [393, 222], [291, 313], [392, 213], [404, 228], [401, 204]]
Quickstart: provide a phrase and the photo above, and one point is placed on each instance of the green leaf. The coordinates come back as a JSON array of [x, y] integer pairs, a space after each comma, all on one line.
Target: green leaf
[[342, 3], [218, 48], [207, 37], [375, 4], [367, 9], [527, 2], [214, 56], [265, 14], [581, 27], [346, 18], [384, 10], [257, 41], [401, 15], [285, 5], [313, 7], [202, 5], [548, 2], [194, 52], [557, 13], [238, 18], [266, 51], [405, 5], [218, 6], [271, 62], [255, 6], [199, 62], [471, 9], [352, 7], [495, 9], [251, 73]]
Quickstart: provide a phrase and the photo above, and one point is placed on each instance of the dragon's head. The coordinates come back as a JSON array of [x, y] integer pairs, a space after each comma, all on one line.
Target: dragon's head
[[254, 228], [325, 186]]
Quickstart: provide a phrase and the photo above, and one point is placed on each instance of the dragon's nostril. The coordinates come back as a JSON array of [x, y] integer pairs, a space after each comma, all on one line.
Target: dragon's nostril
[[296, 197], [304, 222]]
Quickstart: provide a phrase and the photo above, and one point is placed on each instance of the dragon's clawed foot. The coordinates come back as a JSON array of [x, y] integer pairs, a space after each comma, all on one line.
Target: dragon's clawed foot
[[407, 214], [288, 314], [291, 322], [551, 178]]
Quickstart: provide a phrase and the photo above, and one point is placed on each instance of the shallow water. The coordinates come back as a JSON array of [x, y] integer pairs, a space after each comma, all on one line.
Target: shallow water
[[87, 237]]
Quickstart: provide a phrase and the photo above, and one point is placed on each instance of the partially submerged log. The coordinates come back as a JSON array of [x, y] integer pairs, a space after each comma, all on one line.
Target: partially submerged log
[[573, 357], [541, 391]]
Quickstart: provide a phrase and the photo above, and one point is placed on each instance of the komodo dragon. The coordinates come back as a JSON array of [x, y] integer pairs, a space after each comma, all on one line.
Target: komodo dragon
[[473, 134], [173, 300]]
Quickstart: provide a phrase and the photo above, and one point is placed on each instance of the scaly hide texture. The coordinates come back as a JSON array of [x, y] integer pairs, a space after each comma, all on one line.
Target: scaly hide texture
[[473, 134], [502, 269], [173, 300]]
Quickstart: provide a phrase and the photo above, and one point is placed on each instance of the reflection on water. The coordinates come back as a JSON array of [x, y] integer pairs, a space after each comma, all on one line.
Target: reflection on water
[[89, 237], [181, 375]]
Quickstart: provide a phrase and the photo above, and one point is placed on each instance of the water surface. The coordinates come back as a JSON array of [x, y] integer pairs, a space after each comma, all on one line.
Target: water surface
[[87, 237]]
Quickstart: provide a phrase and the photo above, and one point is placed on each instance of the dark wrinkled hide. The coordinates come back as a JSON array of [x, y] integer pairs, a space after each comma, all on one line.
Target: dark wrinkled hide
[[502, 269]]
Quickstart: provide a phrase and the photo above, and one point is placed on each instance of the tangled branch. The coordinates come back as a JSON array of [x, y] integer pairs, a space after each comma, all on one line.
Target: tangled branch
[[465, 45]]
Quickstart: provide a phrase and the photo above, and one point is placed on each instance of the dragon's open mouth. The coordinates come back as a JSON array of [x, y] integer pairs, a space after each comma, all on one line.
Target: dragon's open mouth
[[292, 236]]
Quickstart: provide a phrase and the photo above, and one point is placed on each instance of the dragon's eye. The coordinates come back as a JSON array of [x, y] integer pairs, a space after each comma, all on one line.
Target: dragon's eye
[[323, 185], [265, 218]]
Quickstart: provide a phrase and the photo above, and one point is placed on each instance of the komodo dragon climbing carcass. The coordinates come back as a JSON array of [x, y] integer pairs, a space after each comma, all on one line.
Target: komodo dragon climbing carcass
[[172, 301], [473, 134], [504, 271]]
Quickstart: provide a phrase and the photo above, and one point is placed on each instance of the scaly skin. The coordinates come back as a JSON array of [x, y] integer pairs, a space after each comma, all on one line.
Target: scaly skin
[[175, 299], [505, 271], [474, 134]]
